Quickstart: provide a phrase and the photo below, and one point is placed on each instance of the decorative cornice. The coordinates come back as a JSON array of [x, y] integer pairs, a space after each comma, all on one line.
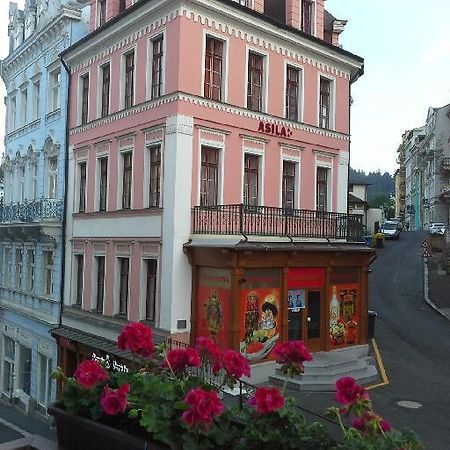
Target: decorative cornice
[[209, 104]]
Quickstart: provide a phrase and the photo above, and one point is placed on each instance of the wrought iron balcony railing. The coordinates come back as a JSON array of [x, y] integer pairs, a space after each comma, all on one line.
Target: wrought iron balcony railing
[[32, 211], [445, 163], [278, 222]]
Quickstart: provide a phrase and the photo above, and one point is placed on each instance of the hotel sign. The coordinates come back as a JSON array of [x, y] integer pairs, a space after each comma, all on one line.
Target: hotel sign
[[274, 129]]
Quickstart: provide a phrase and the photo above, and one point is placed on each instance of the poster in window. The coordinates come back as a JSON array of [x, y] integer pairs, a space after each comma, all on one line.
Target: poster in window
[[296, 299], [214, 305], [260, 313]]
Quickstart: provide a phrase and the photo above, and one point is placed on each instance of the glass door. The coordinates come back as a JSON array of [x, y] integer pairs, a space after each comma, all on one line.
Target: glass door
[[313, 332], [8, 366]]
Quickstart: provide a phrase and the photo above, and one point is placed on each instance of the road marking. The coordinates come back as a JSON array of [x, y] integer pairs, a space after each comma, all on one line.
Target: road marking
[[384, 377], [409, 404], [14, 427]]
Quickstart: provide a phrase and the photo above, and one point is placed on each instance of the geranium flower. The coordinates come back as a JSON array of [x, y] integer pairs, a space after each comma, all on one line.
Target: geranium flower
[[370, 422], [291, 355], [179, 359], [138, 338], [115, 401], [348, 392], [89, 373], [235, 365], [208, 349], [267, 400], [204, 405]]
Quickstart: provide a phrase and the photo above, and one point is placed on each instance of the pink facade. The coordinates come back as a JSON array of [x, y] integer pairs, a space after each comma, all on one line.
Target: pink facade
[[183, 124]]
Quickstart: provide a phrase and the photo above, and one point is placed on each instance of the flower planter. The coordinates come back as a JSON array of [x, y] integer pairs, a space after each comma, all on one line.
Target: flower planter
[[78, 433]]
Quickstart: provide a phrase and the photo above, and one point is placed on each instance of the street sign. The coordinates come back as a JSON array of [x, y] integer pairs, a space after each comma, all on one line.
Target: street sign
[[426, 244], [426, 253]]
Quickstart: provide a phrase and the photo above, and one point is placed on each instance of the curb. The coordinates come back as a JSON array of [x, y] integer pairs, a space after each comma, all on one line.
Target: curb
[[426, 294]]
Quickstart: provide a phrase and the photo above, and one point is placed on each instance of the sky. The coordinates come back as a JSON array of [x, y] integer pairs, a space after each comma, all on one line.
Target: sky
[[406, 49]]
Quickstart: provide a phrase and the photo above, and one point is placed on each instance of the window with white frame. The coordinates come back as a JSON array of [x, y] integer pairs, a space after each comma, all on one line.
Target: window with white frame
[[100, 283], [23, 105], [52, 176], [82, 186], [251, 179], [127, 174], [13, 112], [214, 55], [101, 12], [292, 93], [34, 180], [105, 91], [155, 176], [325, 106], [129, 79], [47, 272], [84, 102], [24, 372], [289, 184], [102, 183], [31, 269], [44, 379], [36, 98], [255, 82], [79, 278], [7, 267], [9, 354], [151, 266], [209, 176], [18, 268], [124, 277], [54, 91], [157, 66], [21, 174], [322, 189], [307, 16]]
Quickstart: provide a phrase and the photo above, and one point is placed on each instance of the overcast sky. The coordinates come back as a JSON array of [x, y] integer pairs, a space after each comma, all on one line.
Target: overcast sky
[[406, 49]]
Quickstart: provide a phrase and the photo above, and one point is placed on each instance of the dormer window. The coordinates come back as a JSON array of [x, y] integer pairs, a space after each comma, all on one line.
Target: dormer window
[[307, 16], [122, 6], [101, 12]]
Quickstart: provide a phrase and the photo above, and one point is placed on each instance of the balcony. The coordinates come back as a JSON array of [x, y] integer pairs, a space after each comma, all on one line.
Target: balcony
[[445, 163], [445, 191], [239, 219], [43, 209]]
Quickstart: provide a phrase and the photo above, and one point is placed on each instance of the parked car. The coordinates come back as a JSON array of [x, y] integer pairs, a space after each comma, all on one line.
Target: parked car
[[436, 228], [391, 229]]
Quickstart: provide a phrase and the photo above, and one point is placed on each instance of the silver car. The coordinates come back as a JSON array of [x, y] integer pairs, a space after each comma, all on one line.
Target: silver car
[[436, 228]]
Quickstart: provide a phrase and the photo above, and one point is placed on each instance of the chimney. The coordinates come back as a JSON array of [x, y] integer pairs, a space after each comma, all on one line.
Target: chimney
[[293, 17]]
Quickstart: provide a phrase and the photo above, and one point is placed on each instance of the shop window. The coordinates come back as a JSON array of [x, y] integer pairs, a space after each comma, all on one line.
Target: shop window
[[255, 82], [44, 379], [157, 66], [24, 374], [288, 194], [322, 189], [155, 176], [150, 292], [209, 177], [213, 69], [292, 93], [251, 179]]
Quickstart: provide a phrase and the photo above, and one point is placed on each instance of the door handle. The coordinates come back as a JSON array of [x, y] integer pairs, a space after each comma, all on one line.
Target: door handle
[[309, 319]]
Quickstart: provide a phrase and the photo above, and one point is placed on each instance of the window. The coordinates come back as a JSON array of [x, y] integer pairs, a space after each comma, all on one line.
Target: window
[[100, 260], [13, 106], [322, 189], [101, 12], [126, 181], [36, 95], [122, 6], [209, 177], [150, 292], [213, 69], [129, 80], [103, 183], [288, 194], [123, 285], [292, 93], [44, 379], [24, 381], [255, 82], [31, 267], [324, 106], [84, 98], [9, 352], [155, 176], [307, 16], [106, 84], [18, 268], [52, 176], [48, 259], [157, 68], [82, 187], [79, 260], [23, 106], [54, 90], [34, 179], [251, 179], [7, 267], [21, 184]]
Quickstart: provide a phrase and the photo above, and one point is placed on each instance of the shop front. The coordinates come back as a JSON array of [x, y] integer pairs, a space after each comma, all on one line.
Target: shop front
[[250, 296]]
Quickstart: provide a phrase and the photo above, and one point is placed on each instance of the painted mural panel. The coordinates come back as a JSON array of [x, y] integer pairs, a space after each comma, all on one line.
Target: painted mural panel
[[214, 305], [344, 304], [260, 312]]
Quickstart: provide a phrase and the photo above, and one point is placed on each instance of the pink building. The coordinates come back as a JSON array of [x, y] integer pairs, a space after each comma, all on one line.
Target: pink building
[[200, 134]]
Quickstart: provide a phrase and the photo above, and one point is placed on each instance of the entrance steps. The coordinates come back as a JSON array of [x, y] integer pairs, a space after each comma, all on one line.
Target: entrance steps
[[326, 368]]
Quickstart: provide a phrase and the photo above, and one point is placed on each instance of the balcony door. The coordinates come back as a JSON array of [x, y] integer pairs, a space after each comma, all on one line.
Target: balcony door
[[305, 317]]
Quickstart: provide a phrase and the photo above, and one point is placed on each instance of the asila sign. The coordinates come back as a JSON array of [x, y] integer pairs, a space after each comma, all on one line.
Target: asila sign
[[274, 129]]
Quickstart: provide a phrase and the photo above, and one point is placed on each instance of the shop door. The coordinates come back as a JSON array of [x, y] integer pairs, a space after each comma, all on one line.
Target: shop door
[[305, 322]]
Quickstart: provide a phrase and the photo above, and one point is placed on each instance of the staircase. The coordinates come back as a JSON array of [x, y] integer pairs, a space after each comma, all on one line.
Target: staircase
[[327, 367]]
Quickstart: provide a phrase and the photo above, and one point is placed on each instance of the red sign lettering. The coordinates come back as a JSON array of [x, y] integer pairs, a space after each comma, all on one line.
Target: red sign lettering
[[274, 129]]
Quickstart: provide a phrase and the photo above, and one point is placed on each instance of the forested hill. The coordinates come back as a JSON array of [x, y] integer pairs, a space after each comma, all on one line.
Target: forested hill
[[380, 185]]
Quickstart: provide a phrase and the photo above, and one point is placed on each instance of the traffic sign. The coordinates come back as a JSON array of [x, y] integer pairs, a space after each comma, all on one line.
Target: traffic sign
[[426, 244], [426, 253]]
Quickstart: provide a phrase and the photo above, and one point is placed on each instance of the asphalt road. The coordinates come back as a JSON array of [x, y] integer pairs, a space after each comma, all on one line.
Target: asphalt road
[[414, 342]]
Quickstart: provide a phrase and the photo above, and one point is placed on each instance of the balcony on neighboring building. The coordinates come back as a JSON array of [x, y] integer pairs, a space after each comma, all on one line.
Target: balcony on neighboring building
[[445, 163], [445, 191], [266, 221]]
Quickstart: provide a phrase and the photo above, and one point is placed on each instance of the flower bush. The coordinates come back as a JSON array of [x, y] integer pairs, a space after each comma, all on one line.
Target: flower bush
[[175, 397]]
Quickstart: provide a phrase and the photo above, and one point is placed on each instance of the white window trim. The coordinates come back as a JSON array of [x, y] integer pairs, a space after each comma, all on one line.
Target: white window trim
[[314, 17], [225, 66], [97, 13], [120, 180], [81, 76], [43, 267], [143, 288], [24, 115], [122, 76], [94, 299], [332, 100], [52, 70], [30, 248], [39, 379], [36, 79], [328, 166], [146, 187], [116, 305], [301, 90], [265, 92], [100, 156], [78, 184], [149, 74], [261, 171], [100, 87], [297, 161]]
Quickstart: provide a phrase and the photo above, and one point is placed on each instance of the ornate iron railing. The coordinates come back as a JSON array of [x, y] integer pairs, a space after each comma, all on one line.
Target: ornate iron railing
[[278, 222], [445, 163], [32, 211]]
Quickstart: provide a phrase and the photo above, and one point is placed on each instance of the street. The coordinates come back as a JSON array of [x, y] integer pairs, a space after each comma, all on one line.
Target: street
[[414, 342]]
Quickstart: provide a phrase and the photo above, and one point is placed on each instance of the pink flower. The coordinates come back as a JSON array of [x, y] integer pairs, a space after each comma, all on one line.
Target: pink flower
[[115, 401], [267, 400], [235, 365], [90, 373], [138, 338], [179, 359], [204, 405], [370, 423], [291, 355], [348, 392], [208, 349]]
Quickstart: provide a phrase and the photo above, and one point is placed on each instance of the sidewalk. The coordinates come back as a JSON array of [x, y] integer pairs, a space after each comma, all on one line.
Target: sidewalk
[[437, 286]]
